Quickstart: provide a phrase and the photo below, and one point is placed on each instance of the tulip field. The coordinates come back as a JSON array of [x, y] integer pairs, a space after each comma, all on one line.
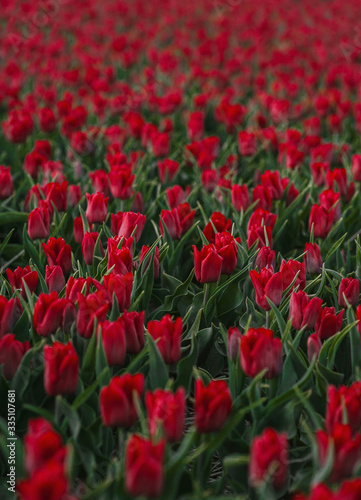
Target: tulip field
[[180, 250]]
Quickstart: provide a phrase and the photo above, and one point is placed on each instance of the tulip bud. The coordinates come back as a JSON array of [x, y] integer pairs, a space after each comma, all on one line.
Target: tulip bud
[[91, 308], [11, 354], [78, 230], [39, 222], [321, 219], [97, 208], [6, 183], [54, 278], [144, 474], [303, 311], [117, 406], [212, 405], [240, 197], [328, 323], [124, 224], [58, 253], [208, 264], [349, 290], [60, 369], [268, 460], [88, 247], [114, 342], [266, 258], [233, 340], [169, 336], [267, 285], [314, 345], [341, 402], [259, 350], [21, 275], [312, 258], [346, 450], [166, 411]]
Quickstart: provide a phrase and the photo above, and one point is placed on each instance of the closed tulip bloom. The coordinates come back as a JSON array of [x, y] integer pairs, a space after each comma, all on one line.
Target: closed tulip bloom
[[121, 181], [166, 411], [39, 222], [349, 290], [170, 219], [260, 350], [312, 258], [226, 247], [207, 264], [266, 258], [117, 406], [240, 197], [41, 445], [176, 196], [58, 253], [264, 197], [341, 402], [54, 278], [88, 246], [328, 323], [124, 224], [167, 170], [121, 286], [169, 337], [213, 404], [304, 311], [358, 317], [48, 313], [356, 167], [267, 284], [120, 261], [233, 339], [321, 219], [289, 270], [61, 365], [114, 342], [272, 181], [75, 286], [132, 323], [144, 472], [21, 275], [347, 450], [78, 230], [97, 208], [314, 345], [92, 307], [10, 312], [12, 352], [6, 183], [268, 460], [261, 217], [48, 482]]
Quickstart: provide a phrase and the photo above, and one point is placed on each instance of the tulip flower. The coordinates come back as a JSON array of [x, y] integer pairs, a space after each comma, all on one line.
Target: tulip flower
[[167, 412], [97, 208], [212, 406], [11, 354], [207, 264], [267, 285], [259, 350], [61, 365], [168, 334]]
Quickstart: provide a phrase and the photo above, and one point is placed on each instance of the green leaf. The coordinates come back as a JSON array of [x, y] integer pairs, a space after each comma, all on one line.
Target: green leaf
[[158, 371]]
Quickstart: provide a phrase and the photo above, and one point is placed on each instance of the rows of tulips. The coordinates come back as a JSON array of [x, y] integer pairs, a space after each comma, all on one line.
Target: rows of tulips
[[180, 251]]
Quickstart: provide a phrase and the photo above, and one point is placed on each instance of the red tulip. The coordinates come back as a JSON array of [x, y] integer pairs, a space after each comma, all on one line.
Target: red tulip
[[312, 258], [233, 340], [144, 474], [349, 290], [49, 313], [39, 222], [132, 324], [97, 208], [314, 345], [356, 167], [6, 183], [267, 285], [54, 278], [121, 286], [167, 170], [321, 219], [207, 264], [42, 445], [21, 275], [61, 369], [10, 312], [124, 224], [117, 406], [304, 311], [88, 247], [344, 402], [47, 482], [346, 450], [169, 336], [268, 460], [121, 181], [328, 323], [143, 256], [212, 405], [221, 224], [78, 230], [266, 258], [11, 354], [240, 197], [114, 342], [120, 261], [167, 412], [58, 253], [92, 307], [289, 270], [260, 350]]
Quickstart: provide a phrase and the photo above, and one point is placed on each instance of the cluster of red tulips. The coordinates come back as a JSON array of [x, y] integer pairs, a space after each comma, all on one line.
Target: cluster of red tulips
[[180, 250]]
